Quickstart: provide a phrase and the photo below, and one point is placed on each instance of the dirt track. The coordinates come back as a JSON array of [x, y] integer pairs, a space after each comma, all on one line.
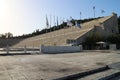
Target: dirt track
[[45, 66]]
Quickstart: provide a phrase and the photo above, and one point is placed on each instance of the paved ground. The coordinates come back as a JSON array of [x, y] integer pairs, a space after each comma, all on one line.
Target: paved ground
[[100, 75], [115, 65], [51, 66], [116, 78]]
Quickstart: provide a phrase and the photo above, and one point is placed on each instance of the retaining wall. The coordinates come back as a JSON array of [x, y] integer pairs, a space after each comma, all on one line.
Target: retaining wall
[[60, 49]]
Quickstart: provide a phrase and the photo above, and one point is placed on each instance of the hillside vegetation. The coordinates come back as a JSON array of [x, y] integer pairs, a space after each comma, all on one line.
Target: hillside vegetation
[[54, 28], [63, 25]]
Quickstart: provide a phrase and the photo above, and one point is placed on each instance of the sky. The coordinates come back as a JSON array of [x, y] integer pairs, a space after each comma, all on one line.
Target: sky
[[25, 16]]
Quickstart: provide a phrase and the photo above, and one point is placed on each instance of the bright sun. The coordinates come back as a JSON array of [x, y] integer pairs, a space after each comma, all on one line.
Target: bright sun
[[5, 14]]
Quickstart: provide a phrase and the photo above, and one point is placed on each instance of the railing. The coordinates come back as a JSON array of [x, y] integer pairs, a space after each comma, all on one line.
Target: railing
[[19, 51]]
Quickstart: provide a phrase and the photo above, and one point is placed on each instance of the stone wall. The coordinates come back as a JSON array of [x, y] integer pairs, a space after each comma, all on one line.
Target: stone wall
[[111, 25], [60, 49], [82, 38], [108, 27]]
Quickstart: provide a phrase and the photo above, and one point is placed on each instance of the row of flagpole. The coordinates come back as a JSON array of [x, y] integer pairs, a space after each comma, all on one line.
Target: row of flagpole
[[56, 22], [94, 13], [102, 11]]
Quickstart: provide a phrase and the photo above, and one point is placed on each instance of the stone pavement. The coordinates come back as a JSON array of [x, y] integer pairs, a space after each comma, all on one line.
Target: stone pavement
[[51, 66], [115, 65]]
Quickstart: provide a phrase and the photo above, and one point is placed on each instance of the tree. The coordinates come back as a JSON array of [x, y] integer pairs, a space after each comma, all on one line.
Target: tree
[[119, 23], [94, 37], [2, 36], [115, 39], [8, 35]]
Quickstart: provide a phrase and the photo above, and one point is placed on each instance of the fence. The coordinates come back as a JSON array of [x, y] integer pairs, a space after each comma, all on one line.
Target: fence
[[22, 50], [41, 49]]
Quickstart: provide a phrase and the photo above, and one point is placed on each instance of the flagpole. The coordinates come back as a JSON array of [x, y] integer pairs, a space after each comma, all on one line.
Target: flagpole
[[57, 21], [54, 28], [80, 15], [47, 23], [102, 11], [94, 10], [54, 22], [50, 22]]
